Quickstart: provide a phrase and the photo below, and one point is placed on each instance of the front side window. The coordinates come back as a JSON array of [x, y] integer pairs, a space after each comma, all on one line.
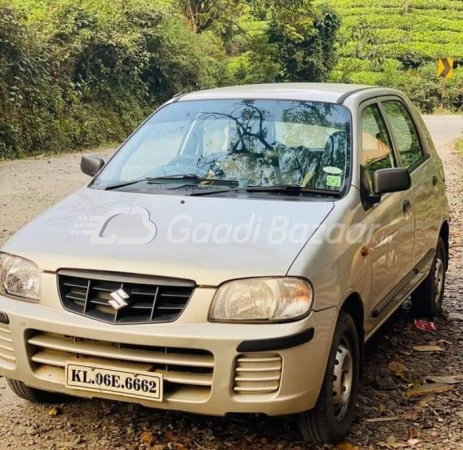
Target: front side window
[[376, 149], [405, 133], [252, 142]]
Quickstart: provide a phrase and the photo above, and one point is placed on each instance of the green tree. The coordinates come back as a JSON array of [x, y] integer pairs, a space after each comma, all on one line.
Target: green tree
[[204, 14], [304, 49]]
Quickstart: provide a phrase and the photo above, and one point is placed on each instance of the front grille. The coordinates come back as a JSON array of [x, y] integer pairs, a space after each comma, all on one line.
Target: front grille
[[257, 373], [151, 300], [187, 373], [7, 358]]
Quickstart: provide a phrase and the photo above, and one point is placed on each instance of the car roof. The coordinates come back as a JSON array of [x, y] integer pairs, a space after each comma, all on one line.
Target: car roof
[[317, 92]]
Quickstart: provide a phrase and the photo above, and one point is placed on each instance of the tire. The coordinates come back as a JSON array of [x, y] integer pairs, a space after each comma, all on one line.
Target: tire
[[428, 296], [34, 395], [330, 421]]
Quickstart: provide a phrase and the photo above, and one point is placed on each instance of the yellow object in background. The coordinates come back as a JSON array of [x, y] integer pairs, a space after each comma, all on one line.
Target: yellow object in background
[[445, 67]]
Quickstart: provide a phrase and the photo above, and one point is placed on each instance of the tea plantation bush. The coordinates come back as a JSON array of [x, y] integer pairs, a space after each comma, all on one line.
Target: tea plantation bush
[[396, 43]]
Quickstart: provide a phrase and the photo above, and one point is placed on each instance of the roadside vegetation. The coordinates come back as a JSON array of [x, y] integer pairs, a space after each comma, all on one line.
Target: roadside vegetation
[[83, 73], [459, 146]]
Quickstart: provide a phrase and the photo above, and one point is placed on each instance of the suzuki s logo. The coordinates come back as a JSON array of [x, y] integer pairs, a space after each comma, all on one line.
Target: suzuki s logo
[[119, 299]]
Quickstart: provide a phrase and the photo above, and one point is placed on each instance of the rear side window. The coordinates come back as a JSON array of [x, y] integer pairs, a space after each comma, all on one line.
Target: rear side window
[[376, 151], [405, 133]]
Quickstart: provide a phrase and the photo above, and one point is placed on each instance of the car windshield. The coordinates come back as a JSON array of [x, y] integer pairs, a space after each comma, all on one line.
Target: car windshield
[[252, 142]]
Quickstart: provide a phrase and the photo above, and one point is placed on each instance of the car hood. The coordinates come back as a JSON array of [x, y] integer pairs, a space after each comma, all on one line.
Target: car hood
[[205, 239]]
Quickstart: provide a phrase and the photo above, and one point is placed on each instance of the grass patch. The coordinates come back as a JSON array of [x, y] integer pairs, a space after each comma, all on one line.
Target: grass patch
[[459, 146]]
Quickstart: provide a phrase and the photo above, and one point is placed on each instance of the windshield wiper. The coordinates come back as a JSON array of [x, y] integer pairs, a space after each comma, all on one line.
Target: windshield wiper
[[291, 188], [279, 188], [193, 177], [182, 177]]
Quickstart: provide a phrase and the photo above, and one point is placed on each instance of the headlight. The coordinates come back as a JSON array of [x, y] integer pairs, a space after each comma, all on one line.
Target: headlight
[[262, 299], [19, 277]]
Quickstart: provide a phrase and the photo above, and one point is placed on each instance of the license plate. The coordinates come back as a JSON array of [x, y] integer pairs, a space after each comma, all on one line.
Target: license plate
[[111, 380]]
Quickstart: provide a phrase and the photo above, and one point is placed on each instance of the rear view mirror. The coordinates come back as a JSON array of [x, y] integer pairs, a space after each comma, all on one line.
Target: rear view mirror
[[391, 180], [91, 165]]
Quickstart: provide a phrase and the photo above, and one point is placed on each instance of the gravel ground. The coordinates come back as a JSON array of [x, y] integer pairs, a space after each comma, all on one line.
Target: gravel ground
[[386, 417]]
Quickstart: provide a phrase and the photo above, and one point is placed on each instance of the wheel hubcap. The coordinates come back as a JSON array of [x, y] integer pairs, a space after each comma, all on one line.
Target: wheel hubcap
[[342, 380], [439, 275]]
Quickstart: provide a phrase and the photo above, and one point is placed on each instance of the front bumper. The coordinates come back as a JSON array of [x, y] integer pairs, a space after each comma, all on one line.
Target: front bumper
[[204, 370]]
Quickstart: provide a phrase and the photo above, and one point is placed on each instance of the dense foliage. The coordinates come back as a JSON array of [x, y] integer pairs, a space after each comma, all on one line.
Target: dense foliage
[[397, 43], [80, 73]]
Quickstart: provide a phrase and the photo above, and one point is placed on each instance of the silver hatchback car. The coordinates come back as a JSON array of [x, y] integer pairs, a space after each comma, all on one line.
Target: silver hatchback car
[[233, 256]]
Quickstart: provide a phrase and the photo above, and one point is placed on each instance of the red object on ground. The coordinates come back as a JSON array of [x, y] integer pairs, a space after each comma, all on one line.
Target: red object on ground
[[424, 325]]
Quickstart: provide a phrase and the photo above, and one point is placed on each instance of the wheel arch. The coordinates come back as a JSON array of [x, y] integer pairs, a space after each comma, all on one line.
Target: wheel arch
[[444, 233], [353, 305]]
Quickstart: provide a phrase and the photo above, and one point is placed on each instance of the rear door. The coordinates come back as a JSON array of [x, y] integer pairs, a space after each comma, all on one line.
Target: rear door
[[425, 181]]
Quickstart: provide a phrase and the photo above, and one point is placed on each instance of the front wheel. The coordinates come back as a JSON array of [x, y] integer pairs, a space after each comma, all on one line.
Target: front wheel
[[34, 395], [331, 419], [428, 298]]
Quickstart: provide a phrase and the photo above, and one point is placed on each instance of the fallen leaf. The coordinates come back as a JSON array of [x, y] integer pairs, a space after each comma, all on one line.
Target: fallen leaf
[[434, 388], [455, 316], [170, 436], [382, 409], [451, 379], [382, 419], [397, 366], [428, 348], [414, 414], [53, 412], [394, 445], [400, 370], [346, 446], [187, 442], [250, 437], [413, 433], [177, 446], [413, 442], [426, 401], [147, 438]]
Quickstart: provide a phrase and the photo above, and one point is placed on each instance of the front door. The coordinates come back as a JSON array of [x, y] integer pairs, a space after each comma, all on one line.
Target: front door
[[391, 221]]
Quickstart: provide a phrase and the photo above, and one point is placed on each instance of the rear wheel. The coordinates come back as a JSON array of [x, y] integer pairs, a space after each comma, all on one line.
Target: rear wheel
[[331, 419], [428, 297], [34, 395]]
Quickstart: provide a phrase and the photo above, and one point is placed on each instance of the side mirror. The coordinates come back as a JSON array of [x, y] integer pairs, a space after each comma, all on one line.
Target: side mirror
[[91, 165], [391, 180]]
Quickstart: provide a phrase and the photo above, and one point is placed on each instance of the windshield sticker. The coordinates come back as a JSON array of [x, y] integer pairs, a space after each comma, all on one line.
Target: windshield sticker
[[333, 181], [332, 170]]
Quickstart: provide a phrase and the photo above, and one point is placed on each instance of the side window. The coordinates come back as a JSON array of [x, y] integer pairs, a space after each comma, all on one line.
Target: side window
[[376, 150], [405, 133]]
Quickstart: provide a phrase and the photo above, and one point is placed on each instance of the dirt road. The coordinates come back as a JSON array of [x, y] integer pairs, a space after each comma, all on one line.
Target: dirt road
[[436, 421]]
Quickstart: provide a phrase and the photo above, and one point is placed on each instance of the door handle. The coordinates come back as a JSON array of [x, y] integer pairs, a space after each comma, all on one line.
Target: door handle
[[434, 180], [406, 207]]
